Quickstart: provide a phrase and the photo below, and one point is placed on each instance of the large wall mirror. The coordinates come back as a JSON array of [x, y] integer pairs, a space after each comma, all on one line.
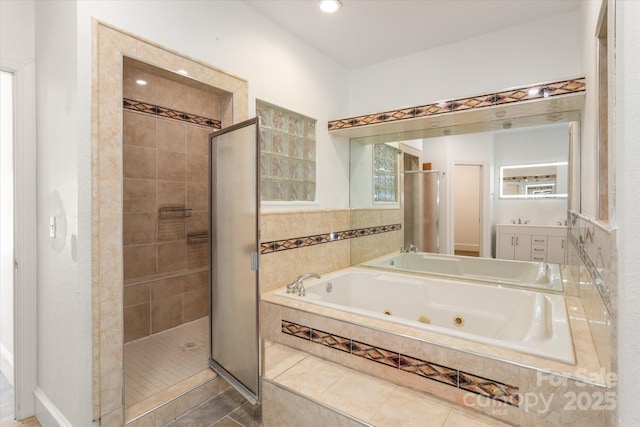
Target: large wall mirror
[[528, 169]]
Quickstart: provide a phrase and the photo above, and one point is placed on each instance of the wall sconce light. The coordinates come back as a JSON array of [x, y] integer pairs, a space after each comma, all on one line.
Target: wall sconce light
[[330, 6]]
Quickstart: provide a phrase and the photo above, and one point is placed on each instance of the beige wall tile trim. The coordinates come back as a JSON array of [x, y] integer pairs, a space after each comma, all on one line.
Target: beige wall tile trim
[[160, 111], [301, 242], [508, 96]]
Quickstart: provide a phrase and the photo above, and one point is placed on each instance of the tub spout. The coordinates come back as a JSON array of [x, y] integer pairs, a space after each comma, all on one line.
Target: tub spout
[[298, 286], [543, 273]]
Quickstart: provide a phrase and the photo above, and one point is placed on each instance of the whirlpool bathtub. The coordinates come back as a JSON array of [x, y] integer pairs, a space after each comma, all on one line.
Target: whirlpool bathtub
[[522, 320]]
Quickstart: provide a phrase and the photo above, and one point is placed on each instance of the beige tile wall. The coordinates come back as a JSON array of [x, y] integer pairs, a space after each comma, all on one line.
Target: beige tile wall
[[367, 247], [280, 268], [165, 163]]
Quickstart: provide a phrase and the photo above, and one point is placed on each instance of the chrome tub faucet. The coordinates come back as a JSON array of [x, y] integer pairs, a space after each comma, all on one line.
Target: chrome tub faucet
[[298, 286], [410, 248]]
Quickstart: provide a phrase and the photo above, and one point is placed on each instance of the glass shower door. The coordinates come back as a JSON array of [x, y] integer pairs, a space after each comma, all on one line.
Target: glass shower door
[[422, 210], [234, 280]]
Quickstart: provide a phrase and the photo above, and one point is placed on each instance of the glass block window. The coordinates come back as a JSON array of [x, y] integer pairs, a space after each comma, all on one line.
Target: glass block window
[[288, 154], [385, 173]]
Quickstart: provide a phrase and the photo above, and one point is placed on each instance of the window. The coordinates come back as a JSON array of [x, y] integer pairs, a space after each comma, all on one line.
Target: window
[[287, 154], [385, 173]]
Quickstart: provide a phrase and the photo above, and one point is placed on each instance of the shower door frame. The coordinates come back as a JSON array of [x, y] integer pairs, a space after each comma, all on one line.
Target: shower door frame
[[238, 301]]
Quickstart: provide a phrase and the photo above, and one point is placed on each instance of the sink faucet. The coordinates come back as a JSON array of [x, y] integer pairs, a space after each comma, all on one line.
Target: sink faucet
[[298, 286]]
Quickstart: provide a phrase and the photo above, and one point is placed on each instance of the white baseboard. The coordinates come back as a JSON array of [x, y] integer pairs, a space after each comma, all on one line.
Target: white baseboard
[[6, 364], [47, 413]]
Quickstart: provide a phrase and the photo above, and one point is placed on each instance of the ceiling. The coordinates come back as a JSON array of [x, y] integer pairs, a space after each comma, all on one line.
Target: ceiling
[[365, 32]]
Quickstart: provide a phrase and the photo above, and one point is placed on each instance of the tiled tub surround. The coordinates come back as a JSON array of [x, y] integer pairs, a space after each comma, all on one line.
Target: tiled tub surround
[[509, 96], [374, 245], [535, 378], [298, 242], [303, 390], [592, 264], [284, 228]]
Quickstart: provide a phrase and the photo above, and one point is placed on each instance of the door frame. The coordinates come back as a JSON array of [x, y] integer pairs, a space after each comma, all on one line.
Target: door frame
[[485, 202], [24, 286]]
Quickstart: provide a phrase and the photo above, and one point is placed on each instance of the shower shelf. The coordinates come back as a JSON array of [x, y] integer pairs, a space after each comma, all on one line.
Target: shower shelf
[[202, 237], [166, 212]]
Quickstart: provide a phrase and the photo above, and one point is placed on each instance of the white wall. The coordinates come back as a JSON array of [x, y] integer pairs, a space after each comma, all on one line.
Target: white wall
[[232, 36], [64, 322], [545, 50], [17, 29], [627, 205]]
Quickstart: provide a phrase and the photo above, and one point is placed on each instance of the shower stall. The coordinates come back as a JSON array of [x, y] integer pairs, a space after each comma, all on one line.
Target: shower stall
[[422, 210], [167, 120]]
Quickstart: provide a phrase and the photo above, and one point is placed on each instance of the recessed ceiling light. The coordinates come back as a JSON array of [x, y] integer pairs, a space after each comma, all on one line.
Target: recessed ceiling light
[[141, 82], [330, 6], [183, 72]]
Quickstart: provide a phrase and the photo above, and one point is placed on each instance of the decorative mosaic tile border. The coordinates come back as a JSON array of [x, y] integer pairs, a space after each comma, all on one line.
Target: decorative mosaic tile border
[[301, 242], [521, 94], [156, 110], [491, 389]]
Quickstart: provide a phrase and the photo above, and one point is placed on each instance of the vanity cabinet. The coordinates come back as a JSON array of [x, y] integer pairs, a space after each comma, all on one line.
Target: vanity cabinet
[[532, 243]]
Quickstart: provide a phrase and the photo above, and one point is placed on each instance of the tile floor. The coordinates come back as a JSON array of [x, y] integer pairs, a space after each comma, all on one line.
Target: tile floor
[[374, 401], [227, 409], [155, 363]]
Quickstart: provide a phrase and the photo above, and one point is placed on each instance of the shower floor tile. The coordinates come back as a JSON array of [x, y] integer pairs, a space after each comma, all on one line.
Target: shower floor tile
[[157, 362]]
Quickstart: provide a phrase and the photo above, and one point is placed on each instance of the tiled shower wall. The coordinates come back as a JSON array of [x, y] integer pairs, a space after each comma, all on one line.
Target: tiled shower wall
[[166, 221]]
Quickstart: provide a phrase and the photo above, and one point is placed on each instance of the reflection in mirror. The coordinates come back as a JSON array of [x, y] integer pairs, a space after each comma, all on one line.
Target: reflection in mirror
[[538, 143], [534, 181]]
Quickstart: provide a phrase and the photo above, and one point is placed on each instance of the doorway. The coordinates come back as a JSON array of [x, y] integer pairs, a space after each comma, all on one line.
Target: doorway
[[6, 245], [467, 210], [17, 234]]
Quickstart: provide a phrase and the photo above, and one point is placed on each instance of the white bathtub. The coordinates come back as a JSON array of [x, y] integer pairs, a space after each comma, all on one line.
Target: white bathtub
[[522, 320], [538, 275]]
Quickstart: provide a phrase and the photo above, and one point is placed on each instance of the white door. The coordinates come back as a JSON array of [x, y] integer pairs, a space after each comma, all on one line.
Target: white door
[[467, 193]]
